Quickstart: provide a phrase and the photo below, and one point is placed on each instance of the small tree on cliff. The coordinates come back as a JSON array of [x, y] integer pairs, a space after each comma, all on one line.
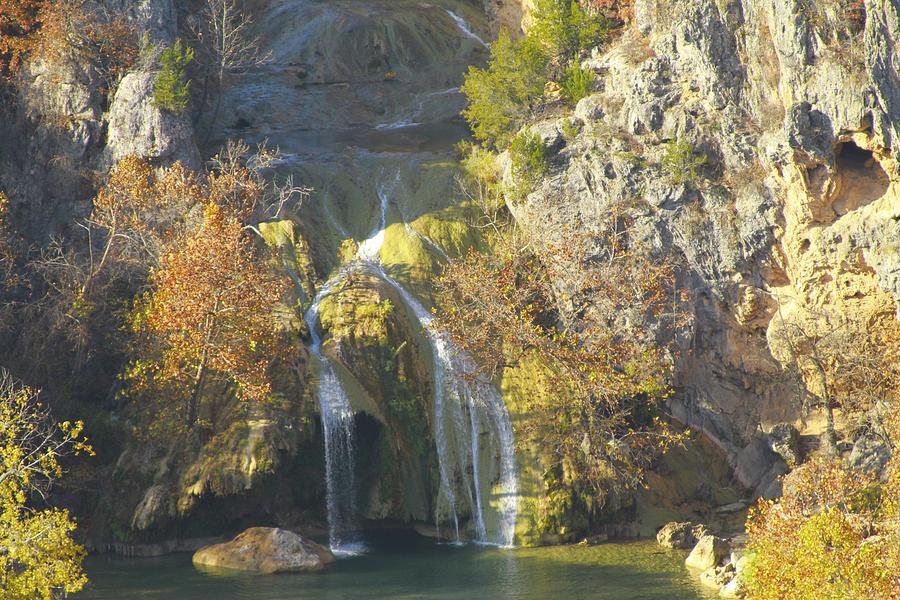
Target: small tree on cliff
[[225, 46], [209, 316], [172, 88], [566, 29], [501, 95], [39, 558]]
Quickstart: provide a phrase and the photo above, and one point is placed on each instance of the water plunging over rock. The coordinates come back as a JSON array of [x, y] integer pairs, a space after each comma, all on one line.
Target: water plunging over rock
[[466, 409], [354, 91], [459, 390], [337, 425]]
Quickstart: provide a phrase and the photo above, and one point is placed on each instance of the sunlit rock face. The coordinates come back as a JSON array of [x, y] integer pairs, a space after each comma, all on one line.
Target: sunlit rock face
[[265, 550], [139, 128], [795, 211]]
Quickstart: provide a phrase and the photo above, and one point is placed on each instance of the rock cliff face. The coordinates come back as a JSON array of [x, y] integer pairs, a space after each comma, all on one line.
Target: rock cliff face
[[796, 211], [65, 128]]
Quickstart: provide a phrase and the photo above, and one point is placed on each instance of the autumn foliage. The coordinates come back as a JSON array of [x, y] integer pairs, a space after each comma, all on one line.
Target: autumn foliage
[[211, 314], [48, 29], [39, 558], [834, 534], [559, 312], [19, 22]]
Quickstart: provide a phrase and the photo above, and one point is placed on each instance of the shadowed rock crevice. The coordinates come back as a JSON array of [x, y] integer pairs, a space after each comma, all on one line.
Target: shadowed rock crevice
[[860, 178]]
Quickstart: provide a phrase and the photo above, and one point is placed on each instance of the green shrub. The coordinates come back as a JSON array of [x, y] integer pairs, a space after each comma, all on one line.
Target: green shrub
[[566, 30], [483, 180], [577, 83], [501, 95], [171, 89], [529, 159], [571, 128], [682, 161]]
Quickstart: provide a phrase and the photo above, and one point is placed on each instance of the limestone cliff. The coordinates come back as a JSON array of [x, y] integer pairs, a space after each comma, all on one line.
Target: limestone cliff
[[795, 211]]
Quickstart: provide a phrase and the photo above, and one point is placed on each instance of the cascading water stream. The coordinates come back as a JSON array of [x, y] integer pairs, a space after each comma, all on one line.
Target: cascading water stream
[[425, 240], [335, 408], [464, 27], [462, 399], [337, 425], [455, 373], [420, 108]]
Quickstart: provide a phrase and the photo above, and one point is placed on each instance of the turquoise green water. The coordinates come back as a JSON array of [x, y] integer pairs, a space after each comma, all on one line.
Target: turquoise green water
[[417, 569]]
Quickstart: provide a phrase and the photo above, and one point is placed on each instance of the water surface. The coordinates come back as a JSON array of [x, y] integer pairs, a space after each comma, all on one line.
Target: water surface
[[417, 569]]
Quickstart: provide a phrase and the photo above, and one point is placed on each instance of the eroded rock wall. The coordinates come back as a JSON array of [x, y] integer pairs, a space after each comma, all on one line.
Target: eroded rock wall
[[795, 105]]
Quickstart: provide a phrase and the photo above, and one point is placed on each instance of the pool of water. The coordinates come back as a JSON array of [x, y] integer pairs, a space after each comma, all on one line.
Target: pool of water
[[416, 569]]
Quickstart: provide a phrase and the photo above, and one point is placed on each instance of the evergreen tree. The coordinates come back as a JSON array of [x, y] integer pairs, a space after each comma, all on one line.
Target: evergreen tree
[[171, 90]]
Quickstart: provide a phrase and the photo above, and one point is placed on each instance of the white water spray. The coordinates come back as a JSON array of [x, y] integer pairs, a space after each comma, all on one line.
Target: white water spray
[[464, 27]]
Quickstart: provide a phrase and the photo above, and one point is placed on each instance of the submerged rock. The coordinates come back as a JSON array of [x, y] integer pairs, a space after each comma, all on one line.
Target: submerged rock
[[266, 550]]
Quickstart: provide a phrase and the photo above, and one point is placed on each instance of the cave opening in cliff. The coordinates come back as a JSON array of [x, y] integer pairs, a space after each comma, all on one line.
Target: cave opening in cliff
[[860, 178]]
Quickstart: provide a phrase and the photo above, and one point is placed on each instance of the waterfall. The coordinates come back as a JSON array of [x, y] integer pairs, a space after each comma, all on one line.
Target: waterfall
[[457, 385], [334, 405], [463, 399], [464, 27], [337, 425]]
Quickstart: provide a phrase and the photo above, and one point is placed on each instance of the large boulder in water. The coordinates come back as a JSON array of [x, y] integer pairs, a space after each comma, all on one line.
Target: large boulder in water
[[266, 550]]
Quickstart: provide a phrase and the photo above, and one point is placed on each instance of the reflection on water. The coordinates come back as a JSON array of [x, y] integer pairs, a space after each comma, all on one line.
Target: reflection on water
[[420, 569]]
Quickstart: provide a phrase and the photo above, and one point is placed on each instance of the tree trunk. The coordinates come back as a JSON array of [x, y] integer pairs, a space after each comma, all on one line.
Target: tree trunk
[[828, 402], [200, 376], [194, 400]]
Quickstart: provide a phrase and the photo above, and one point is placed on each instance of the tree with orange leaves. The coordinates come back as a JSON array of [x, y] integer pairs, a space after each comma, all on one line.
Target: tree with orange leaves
[[136, 212], [19, 20], [46, 29], [209, 315]]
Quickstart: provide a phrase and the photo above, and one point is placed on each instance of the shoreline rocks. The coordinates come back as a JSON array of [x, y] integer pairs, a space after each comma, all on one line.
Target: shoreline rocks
[[680, 536], [266, 550], [709, 552], [717, 561]]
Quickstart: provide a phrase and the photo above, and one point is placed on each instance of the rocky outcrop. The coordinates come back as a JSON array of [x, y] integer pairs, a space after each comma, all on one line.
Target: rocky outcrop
[[266, 550], [680, 536], [709, 552], [137, 126], [784, 440], [156, 19]]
